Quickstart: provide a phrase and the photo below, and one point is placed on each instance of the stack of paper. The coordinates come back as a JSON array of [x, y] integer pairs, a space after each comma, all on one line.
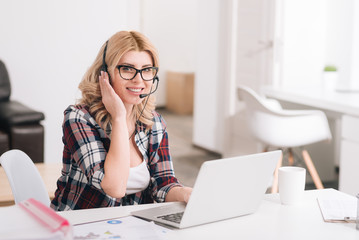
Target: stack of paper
[[338, 210]]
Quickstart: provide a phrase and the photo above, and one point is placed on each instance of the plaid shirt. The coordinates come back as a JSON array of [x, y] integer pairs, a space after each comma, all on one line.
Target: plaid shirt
[[85, 147]]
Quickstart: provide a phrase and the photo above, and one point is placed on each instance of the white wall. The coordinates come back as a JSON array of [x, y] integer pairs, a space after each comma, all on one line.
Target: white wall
[[339, 28], [235, 49], [303, 41], [343, 38], [47, 46], [171, 25], [206, 98], [328, 34], [254, 67]]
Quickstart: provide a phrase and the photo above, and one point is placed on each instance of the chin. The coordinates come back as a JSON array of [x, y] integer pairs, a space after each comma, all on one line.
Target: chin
[[139, 100], [134, 100]]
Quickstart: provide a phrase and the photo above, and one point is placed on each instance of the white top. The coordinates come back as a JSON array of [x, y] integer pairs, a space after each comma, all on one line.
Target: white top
[[138, 179]]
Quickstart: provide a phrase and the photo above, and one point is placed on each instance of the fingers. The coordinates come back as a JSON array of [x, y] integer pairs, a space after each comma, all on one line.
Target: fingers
[[104, 77], [103, 81]]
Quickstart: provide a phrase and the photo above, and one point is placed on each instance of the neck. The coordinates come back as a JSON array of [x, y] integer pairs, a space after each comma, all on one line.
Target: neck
[[129, 111], [131, 123], [130, 117]]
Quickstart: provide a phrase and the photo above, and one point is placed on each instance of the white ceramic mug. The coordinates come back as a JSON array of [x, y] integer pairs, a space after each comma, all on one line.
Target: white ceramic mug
[[291, 181]]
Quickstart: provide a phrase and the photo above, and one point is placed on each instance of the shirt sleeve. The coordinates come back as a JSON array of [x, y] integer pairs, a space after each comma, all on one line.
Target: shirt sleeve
[[84, 143], [162, 172]]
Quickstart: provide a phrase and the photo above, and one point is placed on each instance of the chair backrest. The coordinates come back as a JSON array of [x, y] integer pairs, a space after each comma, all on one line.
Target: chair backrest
[[257, 114], [24, 178], [5, 87], [256, 102], [271, 124]]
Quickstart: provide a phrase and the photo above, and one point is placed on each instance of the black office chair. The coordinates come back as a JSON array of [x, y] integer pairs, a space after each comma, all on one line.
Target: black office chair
[[20, 126]]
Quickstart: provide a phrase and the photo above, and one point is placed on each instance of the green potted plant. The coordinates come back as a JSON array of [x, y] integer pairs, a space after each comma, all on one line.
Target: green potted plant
[[330, 68], [330, 77]]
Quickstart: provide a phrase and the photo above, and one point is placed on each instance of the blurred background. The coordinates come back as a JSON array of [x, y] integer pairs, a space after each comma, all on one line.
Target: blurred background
[[211, 46]]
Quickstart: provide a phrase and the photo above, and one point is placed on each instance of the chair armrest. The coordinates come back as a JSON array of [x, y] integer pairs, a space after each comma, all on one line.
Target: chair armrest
[[16, 113]]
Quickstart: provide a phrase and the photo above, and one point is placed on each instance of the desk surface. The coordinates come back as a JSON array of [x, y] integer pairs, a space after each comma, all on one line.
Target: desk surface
[[49, 172], [341, 102], [271, 221]]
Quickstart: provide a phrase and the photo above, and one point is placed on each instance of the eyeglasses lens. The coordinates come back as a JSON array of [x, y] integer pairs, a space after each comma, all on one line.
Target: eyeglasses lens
[[148, 73]]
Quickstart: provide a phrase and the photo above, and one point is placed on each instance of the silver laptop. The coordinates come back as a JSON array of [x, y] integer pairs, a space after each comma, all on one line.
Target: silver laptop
[[224, 188]]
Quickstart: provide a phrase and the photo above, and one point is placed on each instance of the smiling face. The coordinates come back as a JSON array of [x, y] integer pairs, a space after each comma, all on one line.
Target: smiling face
[[129, 90]]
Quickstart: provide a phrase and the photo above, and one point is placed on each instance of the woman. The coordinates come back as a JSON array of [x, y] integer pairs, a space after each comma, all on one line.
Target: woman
[[115, 144]]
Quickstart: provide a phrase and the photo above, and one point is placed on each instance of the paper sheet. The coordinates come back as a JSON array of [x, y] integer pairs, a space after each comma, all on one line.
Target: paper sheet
[[338, 209], [121, 228]]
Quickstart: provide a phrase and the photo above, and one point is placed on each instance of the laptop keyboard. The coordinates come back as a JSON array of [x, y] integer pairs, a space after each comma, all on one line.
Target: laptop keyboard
[[174, 217]]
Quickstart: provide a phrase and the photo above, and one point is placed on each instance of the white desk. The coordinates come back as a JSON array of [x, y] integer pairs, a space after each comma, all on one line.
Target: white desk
[[345, 105], [271, 221], [340, 102]]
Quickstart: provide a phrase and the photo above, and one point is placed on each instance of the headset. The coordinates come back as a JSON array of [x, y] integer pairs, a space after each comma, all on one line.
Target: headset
[[148, 94], [104, 65]]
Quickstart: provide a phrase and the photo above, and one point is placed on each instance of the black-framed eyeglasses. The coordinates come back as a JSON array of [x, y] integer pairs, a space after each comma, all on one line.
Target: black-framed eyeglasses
[[129, 73]]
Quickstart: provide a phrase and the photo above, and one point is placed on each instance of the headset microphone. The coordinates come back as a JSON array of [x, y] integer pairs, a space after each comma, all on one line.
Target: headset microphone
[[151, 92], [143, 96]]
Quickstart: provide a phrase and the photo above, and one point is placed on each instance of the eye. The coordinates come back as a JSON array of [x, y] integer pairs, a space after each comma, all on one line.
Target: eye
[[147, 70], [127, 69]]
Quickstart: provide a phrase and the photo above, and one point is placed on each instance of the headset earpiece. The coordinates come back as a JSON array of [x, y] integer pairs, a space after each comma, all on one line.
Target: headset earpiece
[[104, 68]]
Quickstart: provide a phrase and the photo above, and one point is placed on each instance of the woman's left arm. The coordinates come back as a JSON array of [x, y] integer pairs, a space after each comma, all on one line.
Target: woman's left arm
[[165, 186], [178, 194]]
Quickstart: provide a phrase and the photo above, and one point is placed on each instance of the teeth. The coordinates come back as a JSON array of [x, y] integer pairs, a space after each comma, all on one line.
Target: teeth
[[134, 89]]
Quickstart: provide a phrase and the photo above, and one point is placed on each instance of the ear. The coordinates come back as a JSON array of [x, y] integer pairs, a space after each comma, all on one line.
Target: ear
[[155, 79]]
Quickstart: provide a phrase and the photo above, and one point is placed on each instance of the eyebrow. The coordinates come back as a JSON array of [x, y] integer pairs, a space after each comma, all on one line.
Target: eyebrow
[[131, 65]]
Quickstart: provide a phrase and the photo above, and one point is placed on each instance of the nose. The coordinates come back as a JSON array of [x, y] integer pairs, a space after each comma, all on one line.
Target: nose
[[137, 78]]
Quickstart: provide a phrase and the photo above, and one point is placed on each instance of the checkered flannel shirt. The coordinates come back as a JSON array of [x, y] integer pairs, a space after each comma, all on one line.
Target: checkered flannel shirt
[[85, 147]]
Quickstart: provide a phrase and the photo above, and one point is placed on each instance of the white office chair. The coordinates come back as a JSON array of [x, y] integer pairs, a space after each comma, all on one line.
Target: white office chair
[[24, 178], [288, 129]]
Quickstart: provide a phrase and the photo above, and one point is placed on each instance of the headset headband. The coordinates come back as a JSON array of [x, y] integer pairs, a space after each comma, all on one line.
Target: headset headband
[[104, 65]]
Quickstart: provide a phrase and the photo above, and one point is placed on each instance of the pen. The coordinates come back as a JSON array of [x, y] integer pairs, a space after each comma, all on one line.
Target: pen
[[350, 219]]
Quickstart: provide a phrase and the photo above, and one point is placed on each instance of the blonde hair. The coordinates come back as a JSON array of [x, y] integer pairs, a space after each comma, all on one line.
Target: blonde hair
[[119, 44]]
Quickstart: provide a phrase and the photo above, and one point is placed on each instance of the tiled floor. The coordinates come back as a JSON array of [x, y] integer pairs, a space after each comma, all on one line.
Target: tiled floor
[[187, 158]]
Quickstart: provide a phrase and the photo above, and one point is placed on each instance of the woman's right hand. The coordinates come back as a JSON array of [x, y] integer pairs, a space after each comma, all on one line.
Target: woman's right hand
[[110, 99], [117, 162]]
